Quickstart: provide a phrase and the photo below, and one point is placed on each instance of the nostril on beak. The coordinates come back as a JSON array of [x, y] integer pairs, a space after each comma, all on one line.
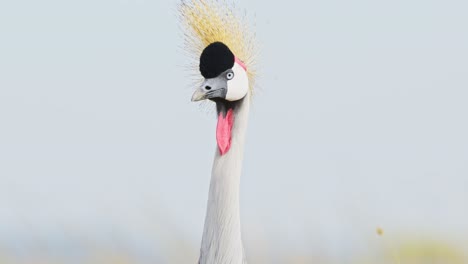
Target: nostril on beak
[[208, 87]]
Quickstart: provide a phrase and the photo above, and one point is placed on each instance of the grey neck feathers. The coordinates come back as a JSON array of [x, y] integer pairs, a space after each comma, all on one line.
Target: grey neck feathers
[[221, 242]]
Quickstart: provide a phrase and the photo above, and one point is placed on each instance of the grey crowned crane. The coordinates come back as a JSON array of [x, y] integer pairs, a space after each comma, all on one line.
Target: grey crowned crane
[[223, 52]]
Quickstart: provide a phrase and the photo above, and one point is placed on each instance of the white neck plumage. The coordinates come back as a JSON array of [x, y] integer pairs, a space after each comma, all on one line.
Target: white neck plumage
[[221, 241]]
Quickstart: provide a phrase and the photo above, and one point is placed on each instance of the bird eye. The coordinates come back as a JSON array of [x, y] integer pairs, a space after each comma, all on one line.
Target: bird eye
[[230, 75]]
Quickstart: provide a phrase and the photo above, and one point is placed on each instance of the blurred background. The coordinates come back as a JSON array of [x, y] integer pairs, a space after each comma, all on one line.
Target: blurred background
[[357, 149]]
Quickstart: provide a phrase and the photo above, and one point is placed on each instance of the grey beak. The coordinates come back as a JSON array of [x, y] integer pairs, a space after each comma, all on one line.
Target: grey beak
[[210, 89], [198, 95]]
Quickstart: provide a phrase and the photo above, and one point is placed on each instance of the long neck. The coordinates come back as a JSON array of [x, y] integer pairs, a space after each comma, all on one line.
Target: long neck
[[221, 241]]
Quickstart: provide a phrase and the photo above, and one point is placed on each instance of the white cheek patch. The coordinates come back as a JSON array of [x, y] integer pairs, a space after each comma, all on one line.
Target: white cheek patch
[[238, 87]]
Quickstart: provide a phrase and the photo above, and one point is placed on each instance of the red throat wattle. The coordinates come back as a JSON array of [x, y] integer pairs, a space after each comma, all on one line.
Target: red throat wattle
[[223, 131]]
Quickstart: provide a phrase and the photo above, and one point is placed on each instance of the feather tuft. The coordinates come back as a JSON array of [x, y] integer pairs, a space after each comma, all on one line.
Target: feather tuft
[[208, 21]]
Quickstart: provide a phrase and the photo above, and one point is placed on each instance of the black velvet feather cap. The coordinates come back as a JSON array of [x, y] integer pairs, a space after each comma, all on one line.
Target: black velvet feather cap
[[215, 59]]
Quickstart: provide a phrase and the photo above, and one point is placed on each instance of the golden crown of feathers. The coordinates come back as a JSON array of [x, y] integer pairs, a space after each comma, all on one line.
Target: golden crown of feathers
[[208, 21]]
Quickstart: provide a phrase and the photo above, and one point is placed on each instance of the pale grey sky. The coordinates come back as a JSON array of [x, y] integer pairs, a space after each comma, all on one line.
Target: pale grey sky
[[360, 122]]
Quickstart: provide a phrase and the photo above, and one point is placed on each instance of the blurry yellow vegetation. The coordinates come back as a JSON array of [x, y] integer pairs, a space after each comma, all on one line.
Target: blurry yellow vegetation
[[379, 231], [408, 251], [423, 252], [411, 251]]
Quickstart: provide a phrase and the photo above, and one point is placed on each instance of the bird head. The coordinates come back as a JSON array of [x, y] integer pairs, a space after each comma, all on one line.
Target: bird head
[[225, 75], [214, 30]]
